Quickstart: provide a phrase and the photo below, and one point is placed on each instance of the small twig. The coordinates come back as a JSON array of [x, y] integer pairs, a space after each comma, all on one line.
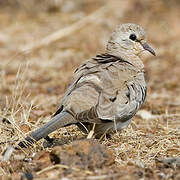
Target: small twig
[[102, 136], [61, 166], [63, 32], [8, 152], [2, 170], [91, 133], [174, 104], [103, 176], [84, 127]]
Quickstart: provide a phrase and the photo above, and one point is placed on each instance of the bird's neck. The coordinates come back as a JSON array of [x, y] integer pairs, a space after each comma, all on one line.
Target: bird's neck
[[130, 57]]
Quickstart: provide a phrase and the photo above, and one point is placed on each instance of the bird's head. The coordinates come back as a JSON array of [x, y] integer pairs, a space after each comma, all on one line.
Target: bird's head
[[128, 39]]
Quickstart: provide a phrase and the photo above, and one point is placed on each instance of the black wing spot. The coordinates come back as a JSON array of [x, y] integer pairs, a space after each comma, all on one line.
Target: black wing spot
[[108, 58], [128, 95], [58, 111], [132, 85], [113, 99]]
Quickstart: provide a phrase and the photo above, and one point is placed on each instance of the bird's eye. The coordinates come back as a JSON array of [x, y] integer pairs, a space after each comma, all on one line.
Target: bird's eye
[[133, 37]]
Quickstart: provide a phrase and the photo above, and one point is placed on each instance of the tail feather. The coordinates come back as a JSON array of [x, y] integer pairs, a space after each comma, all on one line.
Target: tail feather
[[60, 120]]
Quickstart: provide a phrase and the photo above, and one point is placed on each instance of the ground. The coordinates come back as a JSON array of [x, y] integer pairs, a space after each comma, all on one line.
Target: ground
[[41, 44]]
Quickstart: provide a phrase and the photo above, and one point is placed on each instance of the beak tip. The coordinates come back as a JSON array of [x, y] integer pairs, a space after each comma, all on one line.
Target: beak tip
[[148, 48], [154, 53]]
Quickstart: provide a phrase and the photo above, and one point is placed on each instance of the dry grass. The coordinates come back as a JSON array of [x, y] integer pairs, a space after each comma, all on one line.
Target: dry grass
[[31, 85]]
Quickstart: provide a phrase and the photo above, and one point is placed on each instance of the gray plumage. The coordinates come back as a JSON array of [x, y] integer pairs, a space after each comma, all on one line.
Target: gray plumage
[[106, 90]]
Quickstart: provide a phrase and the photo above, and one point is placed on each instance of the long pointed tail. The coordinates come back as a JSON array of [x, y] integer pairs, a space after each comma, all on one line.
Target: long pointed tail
[[60, 120]]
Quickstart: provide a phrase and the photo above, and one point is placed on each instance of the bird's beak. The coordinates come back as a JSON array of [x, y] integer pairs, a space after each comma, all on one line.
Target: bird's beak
[[148, 48]]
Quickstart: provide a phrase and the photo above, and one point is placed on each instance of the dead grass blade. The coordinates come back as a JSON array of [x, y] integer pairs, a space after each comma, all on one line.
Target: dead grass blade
[[63, 32]]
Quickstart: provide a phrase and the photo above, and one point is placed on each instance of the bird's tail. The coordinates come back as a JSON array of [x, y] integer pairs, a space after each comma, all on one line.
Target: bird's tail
[[60, 120]]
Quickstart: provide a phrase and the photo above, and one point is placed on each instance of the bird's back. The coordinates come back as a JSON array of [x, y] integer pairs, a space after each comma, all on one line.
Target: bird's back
[[101, 83]]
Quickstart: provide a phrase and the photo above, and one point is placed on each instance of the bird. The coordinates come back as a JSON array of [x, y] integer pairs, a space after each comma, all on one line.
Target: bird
[[106, 91]]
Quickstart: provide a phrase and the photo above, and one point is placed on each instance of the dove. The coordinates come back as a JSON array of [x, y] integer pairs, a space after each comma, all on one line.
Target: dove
[[107, 90]]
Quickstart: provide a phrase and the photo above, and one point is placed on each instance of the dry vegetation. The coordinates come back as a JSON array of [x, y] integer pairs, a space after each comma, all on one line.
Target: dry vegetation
[[36, 66]]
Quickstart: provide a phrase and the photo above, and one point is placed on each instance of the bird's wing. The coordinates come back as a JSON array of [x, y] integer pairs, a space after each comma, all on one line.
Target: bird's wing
[[124, 95], [100, 90]]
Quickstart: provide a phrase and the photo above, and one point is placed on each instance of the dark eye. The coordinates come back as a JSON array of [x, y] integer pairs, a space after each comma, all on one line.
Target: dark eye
[[133, 37]]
